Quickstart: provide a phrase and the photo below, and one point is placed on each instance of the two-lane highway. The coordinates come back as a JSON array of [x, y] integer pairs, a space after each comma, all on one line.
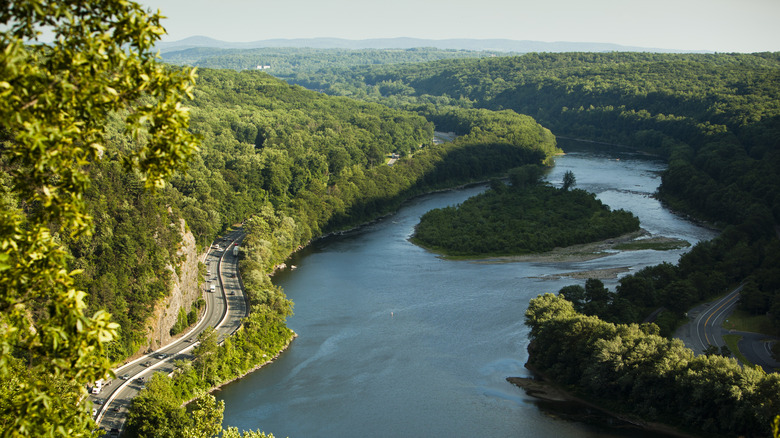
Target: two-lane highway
[[708, 324], [225, 309], [705, 329]]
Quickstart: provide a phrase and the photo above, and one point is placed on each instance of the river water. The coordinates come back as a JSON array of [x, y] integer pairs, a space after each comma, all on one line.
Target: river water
[[394, 341]]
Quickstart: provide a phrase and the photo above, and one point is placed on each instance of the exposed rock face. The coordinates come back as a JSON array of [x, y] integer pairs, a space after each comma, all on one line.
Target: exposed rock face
[[184, 292]]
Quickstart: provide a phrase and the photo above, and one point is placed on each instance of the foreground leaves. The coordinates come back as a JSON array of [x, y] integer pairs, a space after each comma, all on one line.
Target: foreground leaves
[[54, 101]]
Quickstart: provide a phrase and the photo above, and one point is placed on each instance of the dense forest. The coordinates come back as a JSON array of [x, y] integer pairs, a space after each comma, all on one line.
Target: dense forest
[[297, 164], [524, 217], [630, 369], [311, 163], [92, 128], [714, 118]]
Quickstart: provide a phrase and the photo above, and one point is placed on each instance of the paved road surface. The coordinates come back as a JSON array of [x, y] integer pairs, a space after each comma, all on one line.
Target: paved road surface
[[225, 309], [706, 328]]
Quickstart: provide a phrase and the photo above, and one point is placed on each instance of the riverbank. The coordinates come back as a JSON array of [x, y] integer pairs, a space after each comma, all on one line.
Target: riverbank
[[633, 241], [219, 387], [556, 398]]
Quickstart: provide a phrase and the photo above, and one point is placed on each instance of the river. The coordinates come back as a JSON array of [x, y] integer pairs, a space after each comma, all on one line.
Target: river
[[394, 341]]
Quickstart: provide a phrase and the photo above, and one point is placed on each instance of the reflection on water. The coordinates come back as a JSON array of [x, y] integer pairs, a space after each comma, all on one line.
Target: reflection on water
[[394, 341]]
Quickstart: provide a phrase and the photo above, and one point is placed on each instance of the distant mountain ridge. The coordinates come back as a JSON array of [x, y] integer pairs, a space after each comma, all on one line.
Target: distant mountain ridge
[[504, 45]]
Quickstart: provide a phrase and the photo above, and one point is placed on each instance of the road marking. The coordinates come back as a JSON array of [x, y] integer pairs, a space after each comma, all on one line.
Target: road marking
[[728, 300], [103, 407]]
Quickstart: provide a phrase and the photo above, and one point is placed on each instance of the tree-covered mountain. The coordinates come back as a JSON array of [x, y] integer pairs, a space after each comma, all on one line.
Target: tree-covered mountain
[[292, 162]]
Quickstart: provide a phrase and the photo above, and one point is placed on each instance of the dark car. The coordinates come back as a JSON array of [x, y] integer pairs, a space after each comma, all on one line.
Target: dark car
[[148, 363], [114, 433]]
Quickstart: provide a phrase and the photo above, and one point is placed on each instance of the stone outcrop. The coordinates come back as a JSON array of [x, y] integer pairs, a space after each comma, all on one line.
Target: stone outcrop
[[184, 291]]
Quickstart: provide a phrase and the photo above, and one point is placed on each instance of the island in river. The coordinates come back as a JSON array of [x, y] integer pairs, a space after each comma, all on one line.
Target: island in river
[[519, 220]]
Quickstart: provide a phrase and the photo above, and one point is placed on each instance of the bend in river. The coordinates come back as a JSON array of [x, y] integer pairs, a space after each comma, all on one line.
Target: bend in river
[[395, 341]]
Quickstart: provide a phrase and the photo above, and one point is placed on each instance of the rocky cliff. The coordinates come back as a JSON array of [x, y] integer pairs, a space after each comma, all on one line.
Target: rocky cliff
[[184, 292]]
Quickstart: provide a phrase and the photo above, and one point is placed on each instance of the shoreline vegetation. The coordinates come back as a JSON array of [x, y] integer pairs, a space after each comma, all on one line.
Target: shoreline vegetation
[[631, 371], [545, 390], [219, 387], [524, 218]]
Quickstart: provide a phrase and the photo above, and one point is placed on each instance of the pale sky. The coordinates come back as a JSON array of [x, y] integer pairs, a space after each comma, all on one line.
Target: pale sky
[[714, 25]]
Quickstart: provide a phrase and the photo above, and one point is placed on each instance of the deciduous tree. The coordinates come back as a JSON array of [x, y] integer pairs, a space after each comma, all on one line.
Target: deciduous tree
[[54, 101]]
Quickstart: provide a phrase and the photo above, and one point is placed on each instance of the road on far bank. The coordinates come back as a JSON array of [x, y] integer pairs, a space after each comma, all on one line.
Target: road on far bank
[[705, 328]]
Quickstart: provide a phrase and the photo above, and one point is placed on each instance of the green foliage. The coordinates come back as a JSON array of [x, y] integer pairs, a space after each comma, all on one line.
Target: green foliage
[[157, 412], [633, 370], [518, 220], [569, 180], [715, 118], [54, 103]]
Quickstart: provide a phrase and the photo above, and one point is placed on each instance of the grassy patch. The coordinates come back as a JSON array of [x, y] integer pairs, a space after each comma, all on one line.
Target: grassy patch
[[663, 244], [732, 341], [743, 321]]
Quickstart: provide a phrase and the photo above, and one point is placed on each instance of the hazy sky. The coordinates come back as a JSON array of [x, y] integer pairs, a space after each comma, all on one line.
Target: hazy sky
[[716, 25]]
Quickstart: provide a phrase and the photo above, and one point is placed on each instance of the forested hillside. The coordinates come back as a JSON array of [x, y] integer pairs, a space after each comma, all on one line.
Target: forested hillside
[[307, 162], [715, 118], [293, 163], [297, 164]]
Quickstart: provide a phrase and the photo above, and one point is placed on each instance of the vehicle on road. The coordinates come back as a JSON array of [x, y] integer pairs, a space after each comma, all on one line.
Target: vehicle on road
[[125, 377], [147, 364]]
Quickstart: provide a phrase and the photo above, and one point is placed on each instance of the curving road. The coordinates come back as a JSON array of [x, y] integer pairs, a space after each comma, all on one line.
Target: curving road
[[226, 307], [706, 328], [708, 324]]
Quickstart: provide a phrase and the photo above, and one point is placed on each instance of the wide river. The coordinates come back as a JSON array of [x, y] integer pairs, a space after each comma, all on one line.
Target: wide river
[[396, 342]]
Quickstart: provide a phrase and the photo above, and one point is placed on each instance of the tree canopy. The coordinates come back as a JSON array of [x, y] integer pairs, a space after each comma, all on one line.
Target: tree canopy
[[631, 369], [54, 102], [511, 220]]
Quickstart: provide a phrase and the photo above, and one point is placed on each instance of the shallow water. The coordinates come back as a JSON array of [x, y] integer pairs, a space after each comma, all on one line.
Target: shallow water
[[394, 341]]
